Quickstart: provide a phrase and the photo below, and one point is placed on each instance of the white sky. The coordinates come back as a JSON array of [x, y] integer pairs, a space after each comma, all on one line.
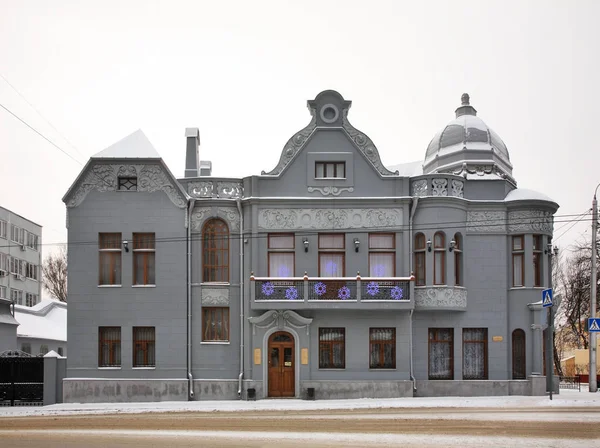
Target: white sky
[[242, 72]]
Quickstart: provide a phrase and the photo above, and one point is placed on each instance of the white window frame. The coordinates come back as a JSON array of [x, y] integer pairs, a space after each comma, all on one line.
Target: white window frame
[[3, 226]]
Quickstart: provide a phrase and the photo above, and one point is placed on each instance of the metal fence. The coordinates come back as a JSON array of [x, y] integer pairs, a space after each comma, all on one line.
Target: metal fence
[[570, 382], [21, 381]]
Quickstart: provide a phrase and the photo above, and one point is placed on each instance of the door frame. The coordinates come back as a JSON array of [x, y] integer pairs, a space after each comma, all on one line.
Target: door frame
[[265, 360]]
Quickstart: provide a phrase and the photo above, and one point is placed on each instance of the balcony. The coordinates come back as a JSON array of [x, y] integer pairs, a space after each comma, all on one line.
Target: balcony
[[331, 293]]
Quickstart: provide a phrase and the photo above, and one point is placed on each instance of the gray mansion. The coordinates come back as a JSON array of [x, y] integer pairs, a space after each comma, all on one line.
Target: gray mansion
[[330, 275]]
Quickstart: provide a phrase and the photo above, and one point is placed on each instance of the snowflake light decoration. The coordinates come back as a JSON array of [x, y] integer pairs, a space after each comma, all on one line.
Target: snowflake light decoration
[[267, 288], [373, 288], [330, 268], [379, 270], [397, 293], [344, 293], [291, 293], [320, 288]]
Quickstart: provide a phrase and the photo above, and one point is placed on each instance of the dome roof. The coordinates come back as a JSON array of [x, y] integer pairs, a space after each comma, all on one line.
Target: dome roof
[[466, 139]]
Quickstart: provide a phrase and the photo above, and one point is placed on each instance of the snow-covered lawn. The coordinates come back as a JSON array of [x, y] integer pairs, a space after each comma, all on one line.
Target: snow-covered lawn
[[566, 398]]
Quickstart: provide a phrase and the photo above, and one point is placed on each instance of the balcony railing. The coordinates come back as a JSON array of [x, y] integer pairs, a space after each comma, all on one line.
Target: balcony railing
[[319, 289]]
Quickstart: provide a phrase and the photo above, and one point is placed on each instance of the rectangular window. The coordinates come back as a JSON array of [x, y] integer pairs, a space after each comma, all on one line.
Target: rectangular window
[[382, 348], [127, 184], [109, 246], [475, 354], [439, 259], [30, 299], [3, 226], [215, 324], [328, 170], [382, 255], [517, 257], [331, 255], [332, 348], [441, 353], [281, 255], [144, 253], [26, 347], [109, 346], [60, 351], [2, 292], [16, 295], [31, 240], [144, 347], [537, 260], [43, 349], [32, 271], [4, 262], [420, 260], [14, 233]]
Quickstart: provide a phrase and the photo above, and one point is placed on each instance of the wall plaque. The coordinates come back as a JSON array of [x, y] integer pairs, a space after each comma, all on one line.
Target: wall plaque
[[257, 356], [304, 356], [497, 338]]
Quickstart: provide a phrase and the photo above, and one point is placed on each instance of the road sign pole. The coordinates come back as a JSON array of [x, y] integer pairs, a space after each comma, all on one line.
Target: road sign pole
[[550, 351], [592, 346]]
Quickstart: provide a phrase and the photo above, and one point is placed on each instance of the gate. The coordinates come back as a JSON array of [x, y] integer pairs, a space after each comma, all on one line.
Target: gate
[[21, 379]]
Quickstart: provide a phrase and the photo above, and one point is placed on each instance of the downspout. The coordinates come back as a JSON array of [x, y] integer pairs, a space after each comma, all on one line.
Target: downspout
[[189, 300], [238, 202], [413, 209]]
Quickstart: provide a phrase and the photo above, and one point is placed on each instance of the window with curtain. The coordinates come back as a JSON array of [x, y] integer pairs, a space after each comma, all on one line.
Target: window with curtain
[[517, 259], [475, 354], [537, 260], [382, 255], [441, 353], [331, 254], [144, 253], [215, 251], [439, 259], [109, 346], [109, 247], [382, 348], [215, 324], [458, 259], [144, 347], [420, 259], [518, 355], [332, 348], [281, 255]]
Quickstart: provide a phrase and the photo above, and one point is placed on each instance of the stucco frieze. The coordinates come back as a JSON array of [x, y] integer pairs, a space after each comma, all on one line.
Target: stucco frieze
[[290, 219], [103, 178], [439, 187], [215, 296], [419, 187], [201, 214], [486, 221], [330, 190], [216, 189], [440, 297], [457, 188], [530, 221], [280, 319]]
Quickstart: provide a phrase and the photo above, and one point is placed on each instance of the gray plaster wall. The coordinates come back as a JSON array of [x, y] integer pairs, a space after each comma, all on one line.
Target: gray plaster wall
[[91, 306], [92, 390], [344, 390], [8, 337]]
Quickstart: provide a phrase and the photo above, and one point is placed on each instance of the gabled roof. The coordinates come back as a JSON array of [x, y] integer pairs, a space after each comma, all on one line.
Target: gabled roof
[[134, 146]]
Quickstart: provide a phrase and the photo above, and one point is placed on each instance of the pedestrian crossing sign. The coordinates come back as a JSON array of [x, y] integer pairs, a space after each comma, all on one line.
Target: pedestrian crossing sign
[[594, 324], [547, 297]]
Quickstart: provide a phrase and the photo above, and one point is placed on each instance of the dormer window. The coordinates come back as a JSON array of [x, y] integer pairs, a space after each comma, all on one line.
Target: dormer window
[[330, 170], [127, 184]]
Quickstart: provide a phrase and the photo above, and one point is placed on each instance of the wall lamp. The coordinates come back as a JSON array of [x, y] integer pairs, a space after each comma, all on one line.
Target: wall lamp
[[306, 243], [549, 249], [356, 244], [126, 245], [428, 245], [452, 245]]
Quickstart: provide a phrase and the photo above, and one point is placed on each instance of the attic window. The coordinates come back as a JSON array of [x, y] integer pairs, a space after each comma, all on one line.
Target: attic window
[[128, 183], [330, 170]]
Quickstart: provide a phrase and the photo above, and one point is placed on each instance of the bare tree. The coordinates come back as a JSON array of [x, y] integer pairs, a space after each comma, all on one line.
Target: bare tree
[[54, 274]]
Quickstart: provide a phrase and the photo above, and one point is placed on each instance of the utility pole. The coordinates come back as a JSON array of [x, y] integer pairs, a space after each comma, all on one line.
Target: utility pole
[[593, 383]]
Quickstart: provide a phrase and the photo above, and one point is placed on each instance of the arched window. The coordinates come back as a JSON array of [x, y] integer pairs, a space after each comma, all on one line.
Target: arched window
[[439, 259], [215, 251], [458, 251], [419, 259], [518, 355]]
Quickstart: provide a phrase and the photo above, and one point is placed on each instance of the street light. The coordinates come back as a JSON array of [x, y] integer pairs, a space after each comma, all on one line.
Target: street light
[[593, 383]]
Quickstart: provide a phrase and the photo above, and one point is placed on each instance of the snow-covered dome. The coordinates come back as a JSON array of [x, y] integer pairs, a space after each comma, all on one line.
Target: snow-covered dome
[[466, 140]]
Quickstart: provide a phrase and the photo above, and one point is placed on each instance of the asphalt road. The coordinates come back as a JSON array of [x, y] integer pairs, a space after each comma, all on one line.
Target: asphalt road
[[451, 427]]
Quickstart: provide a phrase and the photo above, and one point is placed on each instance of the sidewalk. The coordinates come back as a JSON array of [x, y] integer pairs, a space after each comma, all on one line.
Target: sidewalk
[[566, 398]]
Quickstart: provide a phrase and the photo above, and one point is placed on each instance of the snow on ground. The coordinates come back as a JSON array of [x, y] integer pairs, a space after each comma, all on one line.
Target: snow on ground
[[566, 398]]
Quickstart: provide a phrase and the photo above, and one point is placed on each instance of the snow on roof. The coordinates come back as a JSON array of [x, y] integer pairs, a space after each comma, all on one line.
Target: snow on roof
[[46, 320], [408, 169], [134, 146], [523, 194]]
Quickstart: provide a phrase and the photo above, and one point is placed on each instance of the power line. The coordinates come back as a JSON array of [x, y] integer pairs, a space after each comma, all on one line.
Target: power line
[[572, 225], [40, 114], [466, 225]]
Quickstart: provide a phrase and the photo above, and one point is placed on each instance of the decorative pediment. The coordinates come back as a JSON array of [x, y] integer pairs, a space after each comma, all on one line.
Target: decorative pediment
[[103, 177], [330, 110], [280, 319], [229, 214]]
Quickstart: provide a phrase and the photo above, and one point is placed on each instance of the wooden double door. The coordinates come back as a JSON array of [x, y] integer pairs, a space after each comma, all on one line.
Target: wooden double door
[[282, 381]]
